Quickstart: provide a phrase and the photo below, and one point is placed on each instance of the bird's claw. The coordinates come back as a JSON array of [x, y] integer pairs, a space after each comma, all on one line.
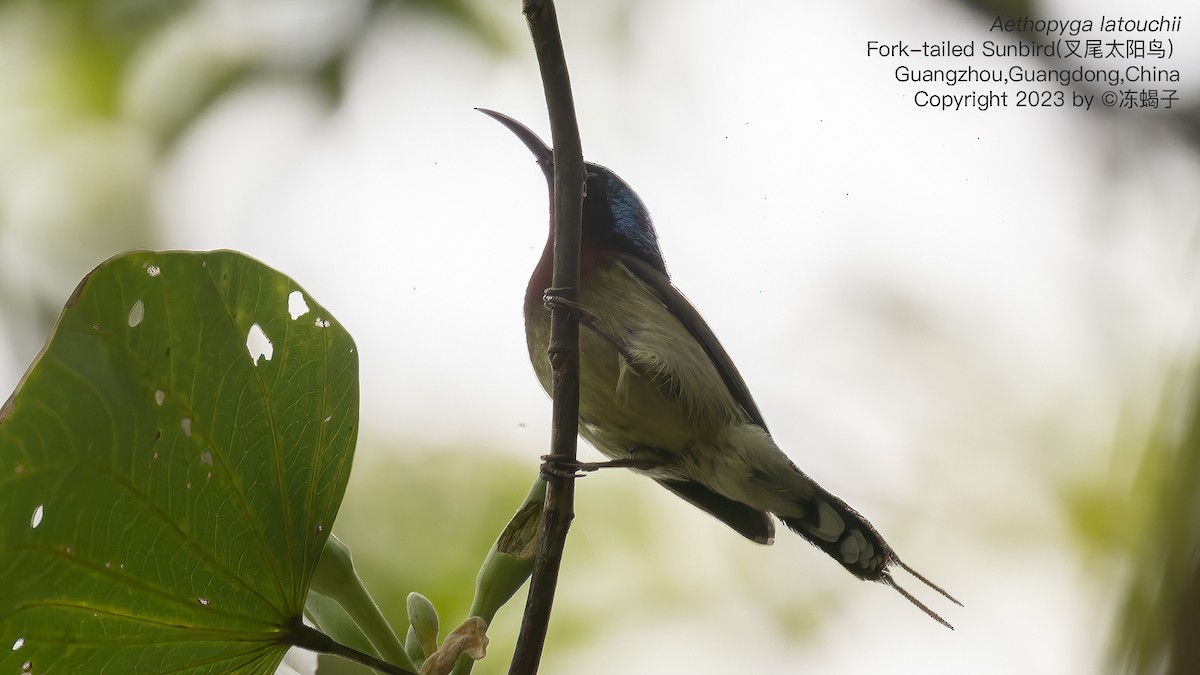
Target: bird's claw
[[556, 297], [560, 467]]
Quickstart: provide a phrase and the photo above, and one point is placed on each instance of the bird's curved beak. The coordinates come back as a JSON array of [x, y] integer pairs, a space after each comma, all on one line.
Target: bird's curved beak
[[543, 152]]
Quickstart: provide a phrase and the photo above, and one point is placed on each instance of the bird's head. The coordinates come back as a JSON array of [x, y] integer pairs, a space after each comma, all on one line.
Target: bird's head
[[614, 217]]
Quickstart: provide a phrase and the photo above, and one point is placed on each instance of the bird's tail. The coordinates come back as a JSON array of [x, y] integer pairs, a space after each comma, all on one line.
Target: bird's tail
[[832, 526]]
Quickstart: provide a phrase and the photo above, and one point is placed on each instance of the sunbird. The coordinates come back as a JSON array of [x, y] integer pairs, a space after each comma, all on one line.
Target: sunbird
[[659, 395]]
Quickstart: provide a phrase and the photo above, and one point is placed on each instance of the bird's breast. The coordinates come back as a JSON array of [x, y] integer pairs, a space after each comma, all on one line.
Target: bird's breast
[[645, 382]]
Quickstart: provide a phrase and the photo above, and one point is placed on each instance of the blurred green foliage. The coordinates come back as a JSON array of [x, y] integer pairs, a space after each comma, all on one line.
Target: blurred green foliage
[[1140, 523], [425, 523], [96, 46], [1009, 9], [95, 94], [1159, 622], [424, 520]]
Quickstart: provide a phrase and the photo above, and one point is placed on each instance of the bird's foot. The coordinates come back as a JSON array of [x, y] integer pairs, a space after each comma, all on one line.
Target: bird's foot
[[561, 467], [557, 297], [553, 297]]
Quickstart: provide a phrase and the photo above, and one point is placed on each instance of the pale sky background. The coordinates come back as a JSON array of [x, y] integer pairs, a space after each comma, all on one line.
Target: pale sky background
[[941, 314]]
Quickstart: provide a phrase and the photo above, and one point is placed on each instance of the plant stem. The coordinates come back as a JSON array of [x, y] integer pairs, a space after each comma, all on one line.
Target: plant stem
[[302, 636], [569, 177]]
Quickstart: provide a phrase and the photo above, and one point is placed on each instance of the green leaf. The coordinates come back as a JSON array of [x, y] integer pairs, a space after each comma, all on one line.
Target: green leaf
[[164, 498]]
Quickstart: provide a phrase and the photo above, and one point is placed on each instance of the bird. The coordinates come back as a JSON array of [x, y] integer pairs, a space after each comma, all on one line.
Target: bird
[[659, 394]]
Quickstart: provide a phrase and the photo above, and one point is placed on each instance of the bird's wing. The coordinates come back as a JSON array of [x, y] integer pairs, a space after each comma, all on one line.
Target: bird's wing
[[747, 521], [695, 324]]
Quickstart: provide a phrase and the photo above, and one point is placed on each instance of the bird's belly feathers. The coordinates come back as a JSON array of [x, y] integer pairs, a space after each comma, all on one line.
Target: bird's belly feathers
[[646, 385]]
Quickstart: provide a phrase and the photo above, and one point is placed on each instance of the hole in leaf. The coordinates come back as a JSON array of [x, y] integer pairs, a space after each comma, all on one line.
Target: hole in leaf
[[259, 344], [136, 313], [297, 307], [18, 644], [186, 424], [37, 517]]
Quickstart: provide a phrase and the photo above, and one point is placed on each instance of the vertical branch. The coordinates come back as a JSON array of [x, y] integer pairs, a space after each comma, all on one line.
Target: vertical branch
[[569, 177]]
